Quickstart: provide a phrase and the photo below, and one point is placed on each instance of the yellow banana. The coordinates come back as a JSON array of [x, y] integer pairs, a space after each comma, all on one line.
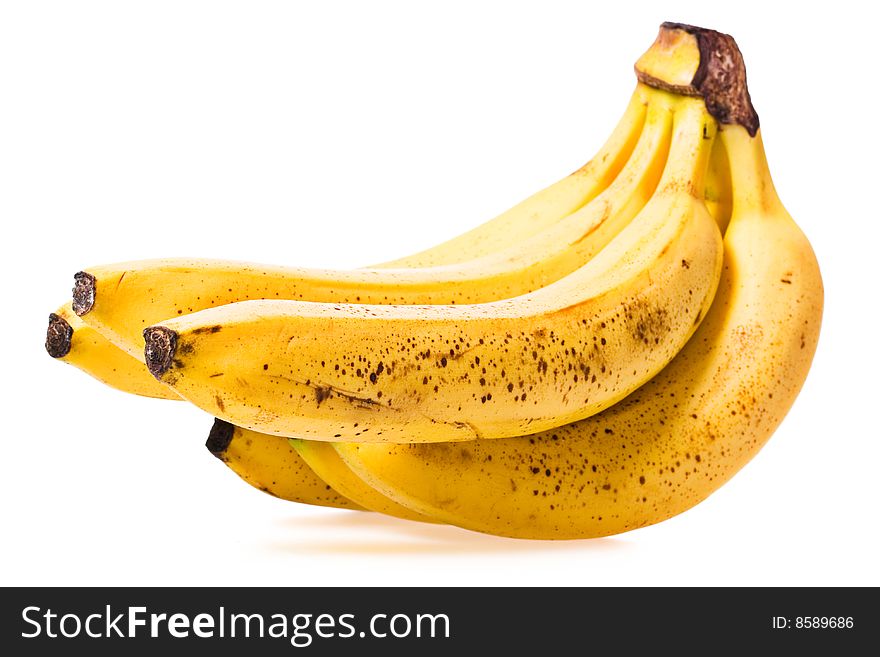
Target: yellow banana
[[541, 210], [78, 344], [327, 464], [301, 484], [72, 340], [69, 340], [675, 440], [99, 357], [549, 235], [270, 464], [432, 373], [321, 458]]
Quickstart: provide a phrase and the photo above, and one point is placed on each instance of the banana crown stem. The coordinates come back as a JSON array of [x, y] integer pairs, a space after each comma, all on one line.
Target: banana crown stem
[[695, 61], [58, 336]]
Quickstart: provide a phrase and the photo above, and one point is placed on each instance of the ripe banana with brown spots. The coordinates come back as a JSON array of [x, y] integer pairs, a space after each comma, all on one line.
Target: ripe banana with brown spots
[[438, 373], [281, 470], [671, 443], [74, 341], [537, 242], [271, 466], [263, 465], [71, 340], [268, 463]]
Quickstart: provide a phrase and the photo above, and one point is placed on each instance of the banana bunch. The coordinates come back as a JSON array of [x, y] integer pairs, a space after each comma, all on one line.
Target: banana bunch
[[598, 358]]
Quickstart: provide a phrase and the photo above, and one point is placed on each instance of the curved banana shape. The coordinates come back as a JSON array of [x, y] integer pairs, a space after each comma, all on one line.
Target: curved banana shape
[[541, 210], [561, 230], [70, 340], [439, 373], [301, 483], [99, 357], [270, 464], [327, 464], [671, 443], [73, 341]]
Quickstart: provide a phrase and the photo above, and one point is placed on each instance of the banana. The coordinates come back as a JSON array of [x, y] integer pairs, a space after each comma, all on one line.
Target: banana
[[544, 238], [543, 209], [327, 464], [103, 359], [78, 344], [268, 463], [434, 373], [675, 440], [271, 465], [99, 357], [327, 461], [70, 340]]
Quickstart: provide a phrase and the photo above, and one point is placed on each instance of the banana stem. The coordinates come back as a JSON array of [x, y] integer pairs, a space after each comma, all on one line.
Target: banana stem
[[694, 61], [58, 336]]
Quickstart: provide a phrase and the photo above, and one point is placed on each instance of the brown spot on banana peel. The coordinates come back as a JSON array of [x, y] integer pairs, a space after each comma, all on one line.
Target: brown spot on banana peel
[[59, 336], [207, 329], [647, 323], [720, 78], [680, 187], [323, 392], [84, 291]]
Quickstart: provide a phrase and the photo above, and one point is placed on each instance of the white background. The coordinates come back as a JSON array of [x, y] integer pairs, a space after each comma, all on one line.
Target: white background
[[340, 134]]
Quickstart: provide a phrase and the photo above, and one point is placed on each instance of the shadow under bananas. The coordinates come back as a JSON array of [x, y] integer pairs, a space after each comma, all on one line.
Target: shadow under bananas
[[388, 536]]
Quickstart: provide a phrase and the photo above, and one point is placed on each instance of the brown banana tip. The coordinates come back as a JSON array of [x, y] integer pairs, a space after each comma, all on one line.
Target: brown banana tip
[[83, 292], [160, 345], [58, 336], [219, 437], [720, 77]]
